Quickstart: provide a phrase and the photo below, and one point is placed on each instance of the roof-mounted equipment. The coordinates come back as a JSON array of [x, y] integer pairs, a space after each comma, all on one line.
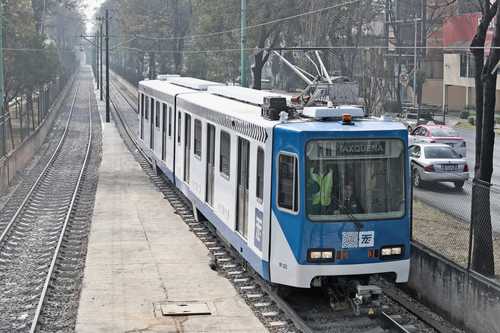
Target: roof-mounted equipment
[[273, 106], [334, 112]]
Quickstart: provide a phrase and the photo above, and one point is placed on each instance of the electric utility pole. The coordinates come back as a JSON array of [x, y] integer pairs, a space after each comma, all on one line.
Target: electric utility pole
[[97, 59], [107, 66], [3, 114], [100, 61], [243, 42]]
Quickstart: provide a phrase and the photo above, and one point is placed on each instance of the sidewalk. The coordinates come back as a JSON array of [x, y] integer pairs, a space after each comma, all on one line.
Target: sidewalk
[[141, 256]]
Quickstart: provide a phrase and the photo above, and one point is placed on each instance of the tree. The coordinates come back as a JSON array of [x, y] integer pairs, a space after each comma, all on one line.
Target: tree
[[485, 80]]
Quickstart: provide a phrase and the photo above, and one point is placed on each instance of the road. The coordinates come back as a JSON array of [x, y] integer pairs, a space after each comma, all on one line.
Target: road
[[458, 203]]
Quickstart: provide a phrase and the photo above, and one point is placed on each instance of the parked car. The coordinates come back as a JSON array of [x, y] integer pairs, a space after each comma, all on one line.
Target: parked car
[[439, 134], [435, 162]]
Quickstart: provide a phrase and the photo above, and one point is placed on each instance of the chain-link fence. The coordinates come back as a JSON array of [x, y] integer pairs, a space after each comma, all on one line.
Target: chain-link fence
[[462, 225], [24, 114]]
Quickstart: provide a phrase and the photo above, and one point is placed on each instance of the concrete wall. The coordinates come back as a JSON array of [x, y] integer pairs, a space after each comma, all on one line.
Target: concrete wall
[[18, 159], [467, 299]]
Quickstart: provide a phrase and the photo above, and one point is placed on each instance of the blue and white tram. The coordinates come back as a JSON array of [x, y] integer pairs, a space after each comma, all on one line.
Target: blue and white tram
[[304, 200]]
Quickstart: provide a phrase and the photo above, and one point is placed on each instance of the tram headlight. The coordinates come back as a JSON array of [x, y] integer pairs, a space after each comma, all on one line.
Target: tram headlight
[[391, 251], [320, 255]]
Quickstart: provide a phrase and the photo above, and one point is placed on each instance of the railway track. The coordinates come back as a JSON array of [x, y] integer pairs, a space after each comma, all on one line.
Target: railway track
[[298, 311], [34, 243]]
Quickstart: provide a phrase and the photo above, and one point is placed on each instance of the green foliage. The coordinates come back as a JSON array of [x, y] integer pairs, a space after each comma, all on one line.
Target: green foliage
[[464, 114], [472, 120], [30, 59]]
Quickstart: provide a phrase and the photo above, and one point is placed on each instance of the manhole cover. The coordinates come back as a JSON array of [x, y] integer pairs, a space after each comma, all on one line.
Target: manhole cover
[[184, 309]]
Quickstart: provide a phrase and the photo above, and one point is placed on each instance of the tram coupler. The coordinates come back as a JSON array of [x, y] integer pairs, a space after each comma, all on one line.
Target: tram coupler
[[366, 300]]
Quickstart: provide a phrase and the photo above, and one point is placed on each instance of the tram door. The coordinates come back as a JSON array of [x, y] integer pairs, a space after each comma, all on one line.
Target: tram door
[[243, 174], [164, 132], [210, 164], [187, 148], [152, 125]]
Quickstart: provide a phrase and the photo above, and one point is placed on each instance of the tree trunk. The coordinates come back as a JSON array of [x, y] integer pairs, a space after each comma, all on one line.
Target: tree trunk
[[29, 107], [482, 252], [257, 71], [152, 65]]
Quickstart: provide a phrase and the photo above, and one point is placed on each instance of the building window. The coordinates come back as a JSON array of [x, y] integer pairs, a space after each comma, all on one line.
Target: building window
[[225, 153], [260, 174], [169, 121], [146, 113], [288, 183], [197, 137], [467, 68]]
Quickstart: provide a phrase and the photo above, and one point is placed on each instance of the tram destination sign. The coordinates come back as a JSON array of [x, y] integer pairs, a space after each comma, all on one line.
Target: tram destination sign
[[346, 149], [356, 148]]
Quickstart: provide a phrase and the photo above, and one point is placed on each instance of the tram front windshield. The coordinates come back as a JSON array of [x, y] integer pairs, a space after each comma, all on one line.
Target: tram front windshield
[[355, 179]]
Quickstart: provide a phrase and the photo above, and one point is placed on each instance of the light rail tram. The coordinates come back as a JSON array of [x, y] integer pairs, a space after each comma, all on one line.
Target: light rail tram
[[309, 196]]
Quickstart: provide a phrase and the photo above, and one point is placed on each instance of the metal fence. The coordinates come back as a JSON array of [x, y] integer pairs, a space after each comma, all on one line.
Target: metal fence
[[447, 221], [24, 114]]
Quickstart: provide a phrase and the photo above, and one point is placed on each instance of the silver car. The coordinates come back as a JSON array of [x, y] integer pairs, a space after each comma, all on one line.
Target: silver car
[[434, 162]]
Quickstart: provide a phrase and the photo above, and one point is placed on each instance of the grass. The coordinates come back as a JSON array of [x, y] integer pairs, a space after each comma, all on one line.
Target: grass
[[445, 234]]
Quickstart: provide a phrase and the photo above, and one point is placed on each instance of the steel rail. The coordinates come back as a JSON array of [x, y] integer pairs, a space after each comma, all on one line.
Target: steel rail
[[65, 225], [43, 173], [392, 324], [132, 105]]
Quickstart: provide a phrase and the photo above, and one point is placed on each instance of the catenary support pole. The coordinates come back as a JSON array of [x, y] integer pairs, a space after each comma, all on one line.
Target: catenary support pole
[[243, 42], [3, 114], [107, 67], [100, 61], [97, 60]]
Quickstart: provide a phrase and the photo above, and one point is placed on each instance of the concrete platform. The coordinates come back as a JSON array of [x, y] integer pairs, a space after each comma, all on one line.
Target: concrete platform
[[142, 255]]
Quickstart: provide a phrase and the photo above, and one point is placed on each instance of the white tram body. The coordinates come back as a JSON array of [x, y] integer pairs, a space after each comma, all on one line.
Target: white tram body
[[212, 142]]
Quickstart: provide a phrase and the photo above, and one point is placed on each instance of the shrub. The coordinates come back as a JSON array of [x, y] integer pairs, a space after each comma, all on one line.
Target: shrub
[[464, 114], [472, 120]]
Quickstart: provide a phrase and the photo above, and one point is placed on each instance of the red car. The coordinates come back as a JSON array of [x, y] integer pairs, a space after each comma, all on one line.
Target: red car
[[439, 134]]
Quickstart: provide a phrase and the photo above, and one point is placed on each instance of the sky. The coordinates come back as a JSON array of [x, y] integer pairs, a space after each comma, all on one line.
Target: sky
[[91, 7]]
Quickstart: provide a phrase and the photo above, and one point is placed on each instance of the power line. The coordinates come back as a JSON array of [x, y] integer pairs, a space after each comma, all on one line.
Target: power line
[[279, 20], [309, 48]]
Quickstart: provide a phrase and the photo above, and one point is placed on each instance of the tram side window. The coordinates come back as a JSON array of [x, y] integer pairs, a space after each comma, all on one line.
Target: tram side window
[[260, 174], [152, 107], [146, 113], [142, 105], [225, 153], [288, 183], [197, 137], [169, 121], [179, 124], [157, 115]]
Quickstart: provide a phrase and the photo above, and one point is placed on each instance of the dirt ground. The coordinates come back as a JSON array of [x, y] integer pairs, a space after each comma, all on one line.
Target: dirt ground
[[446, 235]]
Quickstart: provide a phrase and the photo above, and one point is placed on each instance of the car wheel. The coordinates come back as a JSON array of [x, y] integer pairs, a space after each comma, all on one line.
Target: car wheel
[[417, 181], [459, 185]]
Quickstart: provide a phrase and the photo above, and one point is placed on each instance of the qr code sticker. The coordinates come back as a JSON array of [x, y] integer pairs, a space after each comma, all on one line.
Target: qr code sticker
[[366, 238], [349, 240]]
